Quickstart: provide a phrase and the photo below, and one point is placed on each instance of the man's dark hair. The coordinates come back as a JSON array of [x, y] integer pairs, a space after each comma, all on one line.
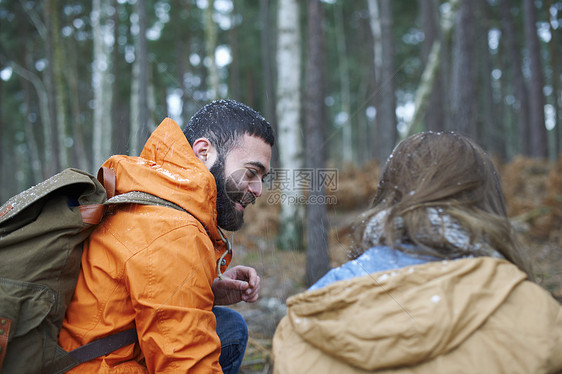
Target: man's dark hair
[[224, 122]]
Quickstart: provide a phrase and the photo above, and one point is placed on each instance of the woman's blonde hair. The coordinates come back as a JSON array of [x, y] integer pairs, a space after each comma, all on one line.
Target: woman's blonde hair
[[448, 172]]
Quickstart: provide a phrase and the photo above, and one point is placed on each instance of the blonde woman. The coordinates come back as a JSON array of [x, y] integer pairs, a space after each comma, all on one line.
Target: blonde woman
[[438, 283]]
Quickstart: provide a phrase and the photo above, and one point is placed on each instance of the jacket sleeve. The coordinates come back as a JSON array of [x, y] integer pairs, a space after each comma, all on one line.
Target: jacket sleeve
[[170, 288]]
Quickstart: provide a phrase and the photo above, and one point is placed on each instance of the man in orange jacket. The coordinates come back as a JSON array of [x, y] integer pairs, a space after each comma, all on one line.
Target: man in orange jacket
[[163, 271]]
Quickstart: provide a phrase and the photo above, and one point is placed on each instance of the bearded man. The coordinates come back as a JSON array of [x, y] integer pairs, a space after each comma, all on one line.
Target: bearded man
[[163, 271]]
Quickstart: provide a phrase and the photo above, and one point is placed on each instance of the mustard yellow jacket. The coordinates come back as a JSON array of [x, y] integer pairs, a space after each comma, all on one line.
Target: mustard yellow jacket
[[152, 267], [475, 315]]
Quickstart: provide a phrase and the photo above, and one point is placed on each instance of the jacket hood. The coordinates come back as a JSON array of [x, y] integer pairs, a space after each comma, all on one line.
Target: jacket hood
[[168, 168], [402, 317]]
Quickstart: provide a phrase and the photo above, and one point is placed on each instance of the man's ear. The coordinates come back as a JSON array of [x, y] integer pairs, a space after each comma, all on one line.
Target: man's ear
[[205, 151]]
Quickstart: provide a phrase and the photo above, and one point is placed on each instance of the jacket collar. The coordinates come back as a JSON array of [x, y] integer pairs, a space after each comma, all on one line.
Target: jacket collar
[[168, 168]]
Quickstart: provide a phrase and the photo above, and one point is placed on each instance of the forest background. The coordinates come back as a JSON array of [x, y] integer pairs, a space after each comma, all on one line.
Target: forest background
[[341, 81]]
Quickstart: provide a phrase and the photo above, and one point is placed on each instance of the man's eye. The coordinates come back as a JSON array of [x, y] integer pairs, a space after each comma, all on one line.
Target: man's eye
[[251, 173]]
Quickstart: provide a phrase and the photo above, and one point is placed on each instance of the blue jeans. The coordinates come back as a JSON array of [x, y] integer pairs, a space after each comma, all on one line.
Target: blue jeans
[[233, 333]]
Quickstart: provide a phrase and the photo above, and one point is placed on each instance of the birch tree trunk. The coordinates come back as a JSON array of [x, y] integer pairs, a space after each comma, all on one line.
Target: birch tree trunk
[[101, 83], [289, 123], [539, 144], [317, 255], [375, 23]]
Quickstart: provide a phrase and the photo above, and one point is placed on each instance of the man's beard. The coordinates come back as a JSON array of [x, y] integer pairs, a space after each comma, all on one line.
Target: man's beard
[[228, 217]]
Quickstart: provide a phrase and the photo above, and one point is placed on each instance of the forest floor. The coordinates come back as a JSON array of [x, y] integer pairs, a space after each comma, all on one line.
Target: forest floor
[[533, 191]]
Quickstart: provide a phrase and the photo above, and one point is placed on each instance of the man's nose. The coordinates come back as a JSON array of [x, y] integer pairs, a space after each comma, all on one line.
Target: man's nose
[[255, 188]]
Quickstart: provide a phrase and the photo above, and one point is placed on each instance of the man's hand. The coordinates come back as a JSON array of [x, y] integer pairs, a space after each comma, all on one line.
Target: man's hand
[[241, 283]]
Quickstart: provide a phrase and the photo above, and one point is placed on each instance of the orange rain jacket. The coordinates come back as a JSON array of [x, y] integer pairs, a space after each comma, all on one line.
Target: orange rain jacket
[[152, 267]]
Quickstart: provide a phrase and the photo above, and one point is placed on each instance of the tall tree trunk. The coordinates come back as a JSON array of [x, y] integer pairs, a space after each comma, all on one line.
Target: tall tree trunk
[[143, 77], [101, 83], [520, 90], [235, 87], [210, 47], [386, 125], [289, 123], [376, 30], [52, 163], [182, 54], [343, 72], [134, 138], [491, 130], [556, 99], [510, 124], [4, 194], [539, 144], [151, 108], [429, 14], [120, 111], [32, 145], [182, 48], [43, 109], [463, 91], [80, 153], [267, 64], [372, 83], [139, 131], [376, 34], [267, 53], [434, 68], [60, 99], [363, 124], [31, 142], [317, 255]]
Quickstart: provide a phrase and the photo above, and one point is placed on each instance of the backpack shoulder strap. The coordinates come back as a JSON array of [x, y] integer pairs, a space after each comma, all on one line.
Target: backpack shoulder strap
[[94, 349], [94, 213], [143, 198], [104, 346]]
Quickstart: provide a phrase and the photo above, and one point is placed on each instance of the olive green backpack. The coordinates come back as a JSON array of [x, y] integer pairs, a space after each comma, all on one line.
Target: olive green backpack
[[41, 234]]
